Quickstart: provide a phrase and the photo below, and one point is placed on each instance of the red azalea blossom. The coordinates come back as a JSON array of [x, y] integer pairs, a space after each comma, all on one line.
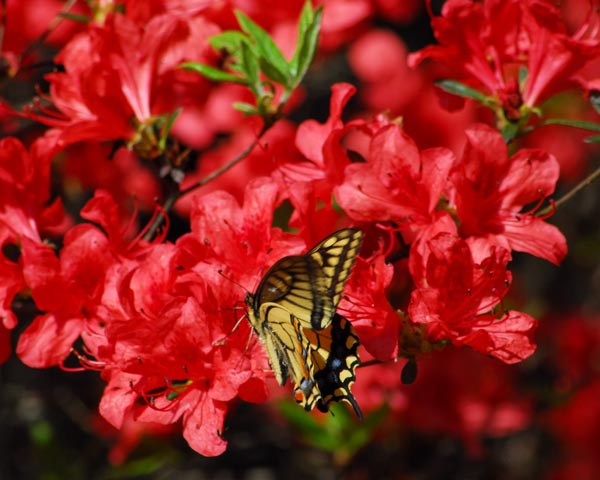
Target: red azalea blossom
[[492, 189], [69, 287], [397, 182], [164, 334], [163, 353], [25, 213], [309, 183], [485, 44], [458, 288], [366, 306], [104, 94]]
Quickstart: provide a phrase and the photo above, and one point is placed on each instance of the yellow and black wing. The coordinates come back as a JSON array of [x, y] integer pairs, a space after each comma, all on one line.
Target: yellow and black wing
[[310, 286], [332, 360], [293, 313], [320, 363]]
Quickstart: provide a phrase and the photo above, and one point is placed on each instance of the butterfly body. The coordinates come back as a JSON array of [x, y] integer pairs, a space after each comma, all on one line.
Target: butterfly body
[[294, 314]]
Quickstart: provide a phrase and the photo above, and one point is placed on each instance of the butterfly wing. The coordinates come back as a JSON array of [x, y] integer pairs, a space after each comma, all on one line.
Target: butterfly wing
[[284, 342], [335, 256], [293, 313], [332, 361], [320, 363], [310, 286]]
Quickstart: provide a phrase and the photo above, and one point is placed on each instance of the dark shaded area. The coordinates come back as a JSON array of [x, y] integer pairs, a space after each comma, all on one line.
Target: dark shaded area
[[46, 416]]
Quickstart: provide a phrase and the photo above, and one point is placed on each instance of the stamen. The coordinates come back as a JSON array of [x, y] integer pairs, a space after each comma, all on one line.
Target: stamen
[[86, 363]]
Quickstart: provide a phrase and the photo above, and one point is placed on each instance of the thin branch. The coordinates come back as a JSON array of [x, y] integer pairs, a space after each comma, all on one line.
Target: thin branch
[[176, 194], [220, 171], [565, 198]]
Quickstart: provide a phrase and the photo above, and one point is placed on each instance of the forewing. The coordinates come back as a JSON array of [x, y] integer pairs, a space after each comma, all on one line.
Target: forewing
[[310, 286], [290, 283], [333, 259]]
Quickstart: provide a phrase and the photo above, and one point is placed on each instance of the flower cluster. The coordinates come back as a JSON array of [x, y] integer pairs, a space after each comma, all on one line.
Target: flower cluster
[[154, 311]]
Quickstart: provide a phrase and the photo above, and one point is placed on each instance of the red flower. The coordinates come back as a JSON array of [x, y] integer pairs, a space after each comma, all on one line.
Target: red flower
[[25, 213], [397, 183], [164, 330], [485, 44], [309, 183], [491, 189], [458, 289], [365, 304], [166, 352], [238, 238], [120, 76], [69, 287]]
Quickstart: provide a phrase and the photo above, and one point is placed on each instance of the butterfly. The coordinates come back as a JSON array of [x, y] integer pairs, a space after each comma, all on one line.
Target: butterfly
[[294, 314]]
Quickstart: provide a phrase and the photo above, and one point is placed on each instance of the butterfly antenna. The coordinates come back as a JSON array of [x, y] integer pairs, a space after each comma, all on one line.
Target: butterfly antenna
[[222, 341], [220, 272]]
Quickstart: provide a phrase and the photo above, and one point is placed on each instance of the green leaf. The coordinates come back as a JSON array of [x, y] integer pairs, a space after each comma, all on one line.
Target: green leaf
[[271, 72], [41, 432], [593, 139], [75, 17], [306, 18], [229, 41], [245, 108], [212, 73], [338, 432], [594, 127], [305, 424], [265, 45], [509, 131], [460, 89], [251, 68], [162, 143], [308, 37]]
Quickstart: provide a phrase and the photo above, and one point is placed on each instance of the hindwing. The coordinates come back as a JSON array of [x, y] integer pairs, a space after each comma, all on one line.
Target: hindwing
[[320, 363], [332, 359]]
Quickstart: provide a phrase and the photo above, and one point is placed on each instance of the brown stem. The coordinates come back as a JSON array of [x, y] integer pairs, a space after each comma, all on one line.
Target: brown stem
[[176, 194], [565, 198], [220, 171]]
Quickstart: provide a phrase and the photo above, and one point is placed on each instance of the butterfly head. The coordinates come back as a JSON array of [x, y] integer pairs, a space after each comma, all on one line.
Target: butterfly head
[[250, 300]]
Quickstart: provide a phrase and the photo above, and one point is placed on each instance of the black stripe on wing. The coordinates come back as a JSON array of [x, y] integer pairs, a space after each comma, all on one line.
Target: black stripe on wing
[[333, 259], [332, 361]]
